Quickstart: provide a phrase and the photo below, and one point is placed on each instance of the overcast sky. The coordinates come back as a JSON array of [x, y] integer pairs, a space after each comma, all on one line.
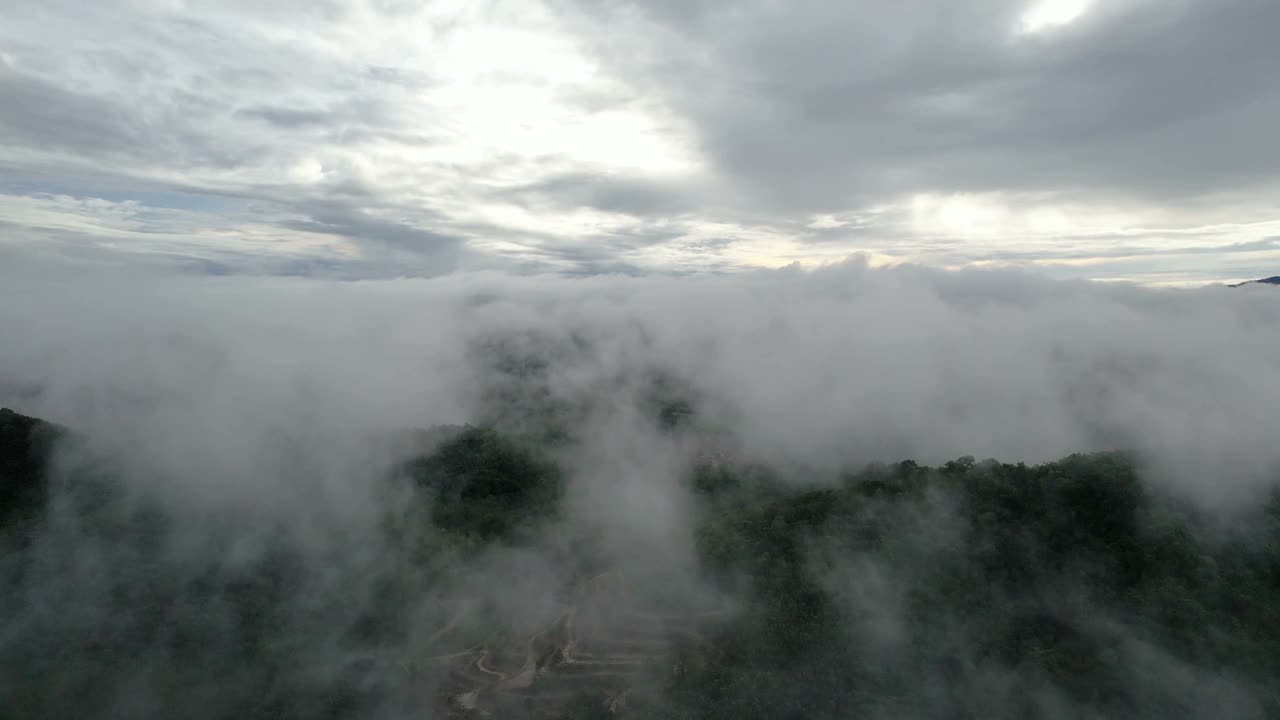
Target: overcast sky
[[1116, 139]]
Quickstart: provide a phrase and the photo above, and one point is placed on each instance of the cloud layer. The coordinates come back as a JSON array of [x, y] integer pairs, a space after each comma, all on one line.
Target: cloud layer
[[845, 365], [368, 139]]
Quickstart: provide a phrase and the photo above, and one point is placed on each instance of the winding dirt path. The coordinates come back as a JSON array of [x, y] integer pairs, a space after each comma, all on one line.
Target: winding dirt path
[[599, 642]]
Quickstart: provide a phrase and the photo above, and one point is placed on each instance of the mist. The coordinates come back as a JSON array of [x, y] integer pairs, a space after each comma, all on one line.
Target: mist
[[837, 366], [253, 409]]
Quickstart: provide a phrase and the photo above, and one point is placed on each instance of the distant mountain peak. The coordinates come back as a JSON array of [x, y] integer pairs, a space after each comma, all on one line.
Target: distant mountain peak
[[1273, 280]]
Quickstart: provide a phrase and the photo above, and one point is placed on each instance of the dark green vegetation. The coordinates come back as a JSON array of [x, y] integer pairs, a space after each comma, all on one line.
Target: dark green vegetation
[[488, 486], [26, 445], [974, 589], [114, 603], [918, 592]]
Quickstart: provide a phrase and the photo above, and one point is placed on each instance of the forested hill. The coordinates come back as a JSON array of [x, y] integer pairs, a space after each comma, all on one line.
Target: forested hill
[[26, 445], [971, 590]]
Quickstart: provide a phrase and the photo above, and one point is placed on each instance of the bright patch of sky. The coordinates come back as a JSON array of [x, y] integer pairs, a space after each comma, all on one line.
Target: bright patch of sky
[[1048, 14]]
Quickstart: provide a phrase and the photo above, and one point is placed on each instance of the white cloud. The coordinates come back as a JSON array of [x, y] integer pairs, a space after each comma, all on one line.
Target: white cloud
[[1048, 14], [843, 364]]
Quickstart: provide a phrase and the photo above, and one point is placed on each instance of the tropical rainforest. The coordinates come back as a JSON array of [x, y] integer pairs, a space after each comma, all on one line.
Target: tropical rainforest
[[974, 589]]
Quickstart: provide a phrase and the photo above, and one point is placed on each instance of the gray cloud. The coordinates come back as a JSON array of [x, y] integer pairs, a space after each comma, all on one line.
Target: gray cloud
[[1162, 109], [355, 223], [247, 405], [630, 195], [40, 114], [818, 106], [1140, 250], [847, 364], [288, 118]]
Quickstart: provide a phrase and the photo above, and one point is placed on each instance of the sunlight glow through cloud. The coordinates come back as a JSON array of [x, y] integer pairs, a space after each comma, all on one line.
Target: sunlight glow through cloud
[[426, 138], [1049, 14]]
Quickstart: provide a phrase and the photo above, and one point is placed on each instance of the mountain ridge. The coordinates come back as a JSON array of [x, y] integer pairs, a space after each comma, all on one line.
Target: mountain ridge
[[1273, 280]]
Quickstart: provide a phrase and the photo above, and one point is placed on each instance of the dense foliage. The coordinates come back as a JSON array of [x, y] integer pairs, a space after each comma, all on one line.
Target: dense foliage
[[920, 592], [974, 589], [488, 485], [25, 447]]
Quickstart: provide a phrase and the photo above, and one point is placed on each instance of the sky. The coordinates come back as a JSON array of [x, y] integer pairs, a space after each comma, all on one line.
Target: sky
[[1118, 140]]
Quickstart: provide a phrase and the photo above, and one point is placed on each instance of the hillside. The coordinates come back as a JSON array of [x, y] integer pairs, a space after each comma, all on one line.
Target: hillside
[[973, 589], [26, 446]]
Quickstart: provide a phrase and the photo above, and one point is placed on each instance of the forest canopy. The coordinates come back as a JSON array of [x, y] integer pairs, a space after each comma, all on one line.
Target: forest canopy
[[972, 589]]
